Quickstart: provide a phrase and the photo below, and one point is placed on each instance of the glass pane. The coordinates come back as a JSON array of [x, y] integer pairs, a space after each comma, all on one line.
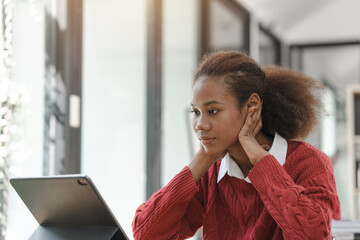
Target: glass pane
[[29, 72], [357, 166], [357, 114], [179, 62], [328, 123], [268, 50], [114, 78], [323, 63], [226, 28]]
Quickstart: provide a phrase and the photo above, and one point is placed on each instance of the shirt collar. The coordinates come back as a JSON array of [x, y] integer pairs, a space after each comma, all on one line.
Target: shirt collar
[[228, 165]]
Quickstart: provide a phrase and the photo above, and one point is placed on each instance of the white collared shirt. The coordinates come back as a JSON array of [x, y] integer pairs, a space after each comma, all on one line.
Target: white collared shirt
[[229, 166]]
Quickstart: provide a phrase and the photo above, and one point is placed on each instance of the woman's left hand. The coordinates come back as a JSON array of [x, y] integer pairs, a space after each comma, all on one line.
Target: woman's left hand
[[248, 132]]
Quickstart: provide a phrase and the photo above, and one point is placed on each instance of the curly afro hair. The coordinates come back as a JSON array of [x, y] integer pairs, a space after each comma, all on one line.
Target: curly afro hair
[[291, 103]]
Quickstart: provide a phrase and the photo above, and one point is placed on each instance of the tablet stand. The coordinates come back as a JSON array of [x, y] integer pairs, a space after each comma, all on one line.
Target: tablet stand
[[74, 233], [67, 207]]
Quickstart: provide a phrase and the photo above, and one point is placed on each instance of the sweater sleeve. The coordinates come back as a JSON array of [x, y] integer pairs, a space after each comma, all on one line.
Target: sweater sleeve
[[302, 211], [174, 212]]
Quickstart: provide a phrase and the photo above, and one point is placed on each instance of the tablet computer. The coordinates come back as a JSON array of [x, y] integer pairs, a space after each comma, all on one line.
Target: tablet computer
[[67, 206]]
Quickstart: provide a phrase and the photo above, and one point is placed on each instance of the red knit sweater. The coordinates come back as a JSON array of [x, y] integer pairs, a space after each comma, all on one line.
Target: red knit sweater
[[295, 201]]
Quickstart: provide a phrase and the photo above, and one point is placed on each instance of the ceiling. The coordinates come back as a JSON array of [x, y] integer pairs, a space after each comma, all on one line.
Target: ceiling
[[284, 13], [308, 20]]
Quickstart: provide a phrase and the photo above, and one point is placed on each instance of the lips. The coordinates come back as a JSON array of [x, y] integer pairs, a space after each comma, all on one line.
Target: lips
[[206, 140]]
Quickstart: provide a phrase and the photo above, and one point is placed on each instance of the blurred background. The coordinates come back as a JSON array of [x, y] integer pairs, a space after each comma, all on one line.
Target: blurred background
[[103, 88]]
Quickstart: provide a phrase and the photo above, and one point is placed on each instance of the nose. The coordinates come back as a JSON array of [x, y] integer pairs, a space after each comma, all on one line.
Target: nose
[[202, 123]]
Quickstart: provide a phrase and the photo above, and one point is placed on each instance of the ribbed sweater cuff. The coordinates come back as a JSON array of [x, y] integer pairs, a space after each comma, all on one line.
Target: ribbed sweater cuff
[[266, 170], [183, 186]]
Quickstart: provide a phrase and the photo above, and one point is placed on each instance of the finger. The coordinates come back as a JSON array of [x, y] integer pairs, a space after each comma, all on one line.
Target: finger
[[258, 127], [255, 117], [257, 120], [257, 113], [259, 110], [248, 125], [245, 126], [258, 116]]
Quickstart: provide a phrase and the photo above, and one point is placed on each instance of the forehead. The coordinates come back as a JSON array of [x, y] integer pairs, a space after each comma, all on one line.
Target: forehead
[[208, 89]]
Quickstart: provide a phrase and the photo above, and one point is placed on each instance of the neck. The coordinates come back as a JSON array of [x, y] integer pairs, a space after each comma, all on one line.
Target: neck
[[238, 154]]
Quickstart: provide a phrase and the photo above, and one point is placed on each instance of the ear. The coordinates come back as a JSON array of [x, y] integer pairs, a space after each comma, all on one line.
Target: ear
[[254, 101]]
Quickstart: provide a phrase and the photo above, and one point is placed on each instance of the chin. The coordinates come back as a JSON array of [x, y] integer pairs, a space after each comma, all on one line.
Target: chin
[[212, 150]]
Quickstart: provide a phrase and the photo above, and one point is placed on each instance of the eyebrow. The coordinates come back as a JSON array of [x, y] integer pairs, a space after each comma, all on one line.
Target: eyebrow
[[208, 103]]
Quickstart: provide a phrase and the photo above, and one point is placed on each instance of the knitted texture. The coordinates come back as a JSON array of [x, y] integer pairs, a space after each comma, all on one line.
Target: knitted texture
[[294, 201]]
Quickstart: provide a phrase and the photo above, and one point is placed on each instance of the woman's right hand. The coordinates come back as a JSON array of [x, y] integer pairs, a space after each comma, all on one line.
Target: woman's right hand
[[202, 161]]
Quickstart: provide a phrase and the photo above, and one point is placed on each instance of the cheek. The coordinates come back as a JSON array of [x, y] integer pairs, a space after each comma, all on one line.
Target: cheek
[[233, 134], [232, 129], [193, 123]]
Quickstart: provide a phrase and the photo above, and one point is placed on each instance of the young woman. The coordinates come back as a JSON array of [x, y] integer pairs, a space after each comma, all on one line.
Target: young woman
[[251, 179]]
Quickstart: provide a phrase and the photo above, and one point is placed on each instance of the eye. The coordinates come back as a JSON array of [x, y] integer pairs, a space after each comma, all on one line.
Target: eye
[[213, 111], [195, 112]]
